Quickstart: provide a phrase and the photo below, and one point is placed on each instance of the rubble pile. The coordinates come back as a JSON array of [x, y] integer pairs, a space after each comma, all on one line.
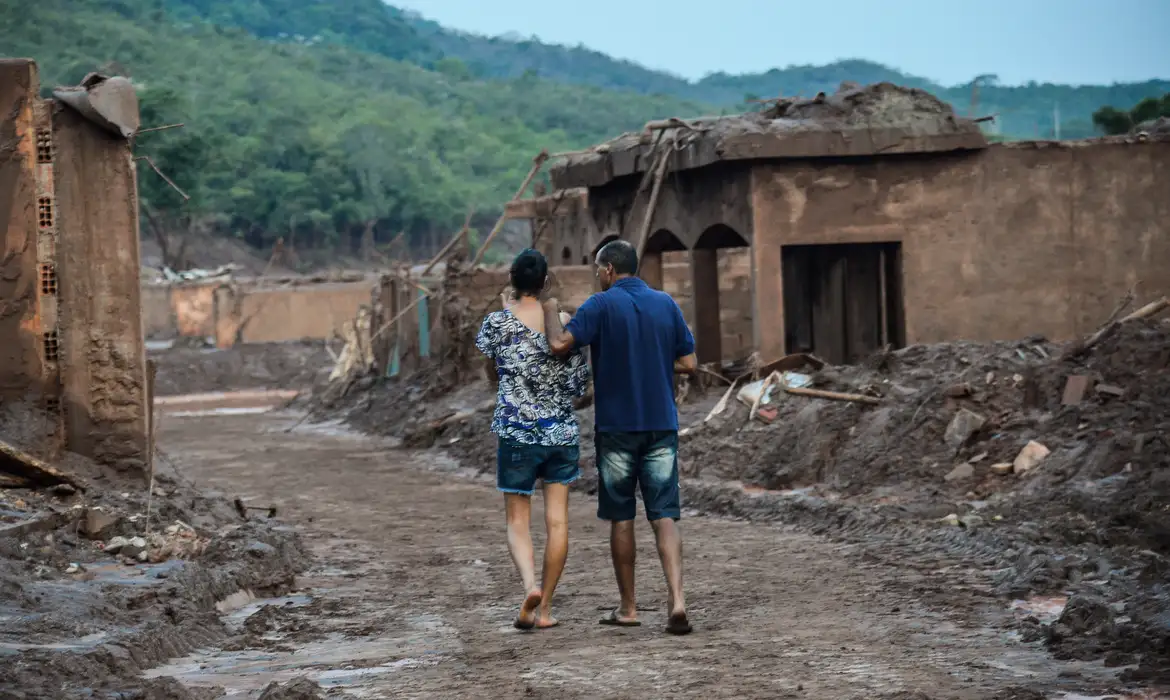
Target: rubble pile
[[103, 575]]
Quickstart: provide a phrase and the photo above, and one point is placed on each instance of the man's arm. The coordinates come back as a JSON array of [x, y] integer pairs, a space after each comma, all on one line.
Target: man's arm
[[560, 341], [687, 364], [485, 343], [684, 345]]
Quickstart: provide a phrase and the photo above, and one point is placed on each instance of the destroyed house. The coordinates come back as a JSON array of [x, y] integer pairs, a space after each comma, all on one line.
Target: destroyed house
[[870, 218], [70, 308]]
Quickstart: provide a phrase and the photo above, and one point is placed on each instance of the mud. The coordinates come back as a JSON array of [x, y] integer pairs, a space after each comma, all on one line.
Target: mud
[[411, 595], [193, 367], [1089, 520], [97, 586]]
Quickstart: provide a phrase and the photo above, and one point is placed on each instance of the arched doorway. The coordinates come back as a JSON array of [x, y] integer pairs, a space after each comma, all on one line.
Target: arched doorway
[[650, 266], [705, 292]]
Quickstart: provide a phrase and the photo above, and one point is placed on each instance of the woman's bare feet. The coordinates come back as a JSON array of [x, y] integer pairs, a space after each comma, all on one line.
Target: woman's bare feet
[[527, 617], [545, 620]]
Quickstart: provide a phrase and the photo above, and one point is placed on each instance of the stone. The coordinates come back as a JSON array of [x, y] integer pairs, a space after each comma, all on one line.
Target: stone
[[971, 522], [99, 524], [965, 424], [1002, 468], [952, 520], [116, 544], [135, 547], [963, 471], [1030, 457]]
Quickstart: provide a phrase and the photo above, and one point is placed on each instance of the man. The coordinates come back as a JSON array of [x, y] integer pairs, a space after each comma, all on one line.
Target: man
[[638, 340], [536, 427]]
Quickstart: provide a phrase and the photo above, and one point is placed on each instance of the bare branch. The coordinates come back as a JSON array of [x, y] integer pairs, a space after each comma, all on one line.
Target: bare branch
[[182, 194]]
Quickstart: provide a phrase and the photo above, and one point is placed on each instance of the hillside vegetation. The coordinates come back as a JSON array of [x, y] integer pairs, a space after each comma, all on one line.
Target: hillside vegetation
[[343, 120]]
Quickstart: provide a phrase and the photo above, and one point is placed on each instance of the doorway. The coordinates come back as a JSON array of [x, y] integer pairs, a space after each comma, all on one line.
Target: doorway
[[843, 301]]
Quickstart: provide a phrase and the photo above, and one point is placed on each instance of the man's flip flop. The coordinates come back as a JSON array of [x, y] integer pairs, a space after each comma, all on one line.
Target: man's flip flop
[[616, 621], [678, 624]]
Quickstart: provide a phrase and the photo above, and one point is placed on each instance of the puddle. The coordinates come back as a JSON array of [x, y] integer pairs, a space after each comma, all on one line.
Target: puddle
[[1044, 608], [224, 403], [241, 612], [220, 412], [90, 641], [1129, 695], [333, 662]]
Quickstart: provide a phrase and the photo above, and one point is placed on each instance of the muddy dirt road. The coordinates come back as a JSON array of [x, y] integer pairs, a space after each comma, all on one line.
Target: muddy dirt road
[[412, 595]]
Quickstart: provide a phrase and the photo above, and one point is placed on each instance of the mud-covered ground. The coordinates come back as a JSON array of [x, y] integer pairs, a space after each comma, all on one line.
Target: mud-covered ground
[[190, 366], [1090, 521], [412, 594]]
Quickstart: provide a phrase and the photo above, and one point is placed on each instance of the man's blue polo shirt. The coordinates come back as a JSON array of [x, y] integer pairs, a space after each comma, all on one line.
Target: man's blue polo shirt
[[634, 334]]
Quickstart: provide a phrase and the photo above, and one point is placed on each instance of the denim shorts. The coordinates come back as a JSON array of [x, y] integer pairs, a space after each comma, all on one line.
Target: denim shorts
[[647, 459], [518, 466]]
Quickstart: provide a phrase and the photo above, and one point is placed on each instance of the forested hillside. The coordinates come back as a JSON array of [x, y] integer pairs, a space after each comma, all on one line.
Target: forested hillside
[[332, 118]]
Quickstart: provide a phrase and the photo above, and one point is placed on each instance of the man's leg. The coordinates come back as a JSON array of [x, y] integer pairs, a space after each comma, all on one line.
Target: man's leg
[[516, 478], [616, 503], [624, 550], [659, 482]]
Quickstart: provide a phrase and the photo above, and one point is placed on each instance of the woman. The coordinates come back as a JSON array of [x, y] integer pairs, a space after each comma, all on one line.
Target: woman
[[536, 427]]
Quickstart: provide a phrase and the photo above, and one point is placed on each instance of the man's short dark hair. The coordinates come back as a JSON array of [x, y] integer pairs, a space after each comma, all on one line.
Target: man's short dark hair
[[529, 271], [620, 254]]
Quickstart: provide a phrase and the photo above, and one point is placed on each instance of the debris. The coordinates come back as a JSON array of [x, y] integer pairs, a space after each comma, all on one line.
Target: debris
[[98, 524], [8, 481], [965, 424], [832, 395], [1147, 311], [19, 463], [134, 547], [1002, 468], [1075, 389], [951, 519], [242, 509], [961, 472], [959, 391], [116, 544], [1109, 390], [767, 414], [1030, 457], [74, 568], [971, 522], [109, 102]]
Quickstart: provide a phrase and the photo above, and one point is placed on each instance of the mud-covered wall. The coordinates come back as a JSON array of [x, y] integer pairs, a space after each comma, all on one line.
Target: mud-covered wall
[[1012, 241], [689, 204], [274, 314], [576, 282], [103, 364], [20, 331]]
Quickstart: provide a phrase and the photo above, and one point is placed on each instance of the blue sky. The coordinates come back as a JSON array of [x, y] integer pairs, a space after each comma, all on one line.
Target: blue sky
[[1060, 41]]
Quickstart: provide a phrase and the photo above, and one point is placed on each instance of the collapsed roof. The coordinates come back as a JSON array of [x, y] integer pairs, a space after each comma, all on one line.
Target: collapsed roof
[[876, 119]]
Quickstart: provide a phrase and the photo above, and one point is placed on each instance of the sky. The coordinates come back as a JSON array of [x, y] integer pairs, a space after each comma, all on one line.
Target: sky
[[1058, 41]]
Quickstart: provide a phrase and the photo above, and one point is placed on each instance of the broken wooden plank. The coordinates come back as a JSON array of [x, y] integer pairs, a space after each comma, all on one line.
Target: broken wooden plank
[[1075, 388], [459, 235], [46, 522], [20, 463], [537, 164], [8, 481], [832, 395]]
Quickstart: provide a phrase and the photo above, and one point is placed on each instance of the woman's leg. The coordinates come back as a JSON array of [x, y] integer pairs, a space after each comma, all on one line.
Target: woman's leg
[[556, 550], [518, 509]]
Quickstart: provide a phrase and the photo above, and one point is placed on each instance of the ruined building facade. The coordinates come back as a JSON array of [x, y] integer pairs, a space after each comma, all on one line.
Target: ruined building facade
[[857, 242], [70, 315]]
